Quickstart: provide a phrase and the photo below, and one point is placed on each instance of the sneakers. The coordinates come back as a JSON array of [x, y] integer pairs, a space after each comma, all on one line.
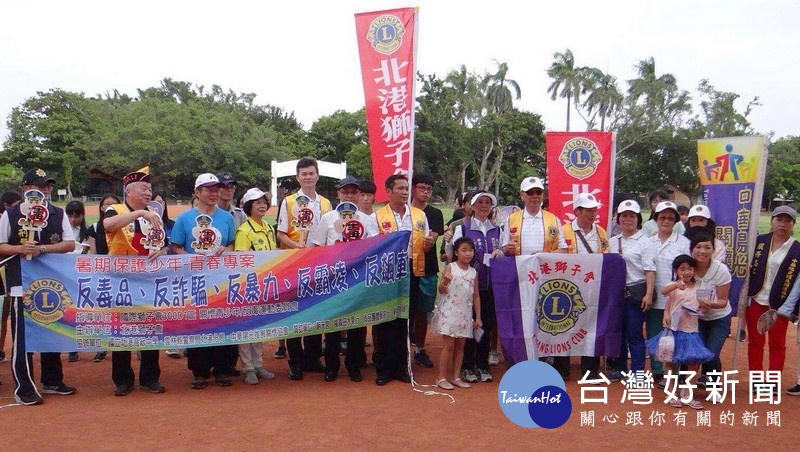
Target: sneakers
[[123, 390], [701, 382], [494, 358], [615, 376], [199, 383], [100, 356], [264, 373], [280, 353], [173, 353], [73, 357], [250, 377], [469, 376], [484, 375], [794, 390], [423, 358], [343, 348], [33, 399], [154, 387], [223, 380], [60, 389]]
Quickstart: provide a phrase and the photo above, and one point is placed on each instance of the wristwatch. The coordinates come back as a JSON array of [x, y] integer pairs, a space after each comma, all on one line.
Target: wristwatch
[[42, 250]]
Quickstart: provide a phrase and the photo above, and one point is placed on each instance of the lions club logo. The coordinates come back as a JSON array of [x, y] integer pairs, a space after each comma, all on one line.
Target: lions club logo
[[580, 157], [386, 34], [558, 306], [46, 300]]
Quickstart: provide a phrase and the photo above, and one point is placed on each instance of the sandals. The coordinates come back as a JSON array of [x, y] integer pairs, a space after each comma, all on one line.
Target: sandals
[[444, 384], [695, 404], [461, 383]]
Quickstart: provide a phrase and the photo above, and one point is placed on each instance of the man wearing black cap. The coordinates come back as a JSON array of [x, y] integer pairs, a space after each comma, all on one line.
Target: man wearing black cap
[[227, 189], [125, 225], [54, 235], [344, 224]]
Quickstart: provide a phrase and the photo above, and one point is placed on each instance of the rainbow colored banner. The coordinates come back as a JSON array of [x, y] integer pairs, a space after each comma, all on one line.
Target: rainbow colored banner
[[732, 176], [387, 50], [97, 302]]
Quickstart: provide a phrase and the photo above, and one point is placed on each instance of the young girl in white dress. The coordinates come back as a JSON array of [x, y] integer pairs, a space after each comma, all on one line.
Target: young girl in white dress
[[458, 301]]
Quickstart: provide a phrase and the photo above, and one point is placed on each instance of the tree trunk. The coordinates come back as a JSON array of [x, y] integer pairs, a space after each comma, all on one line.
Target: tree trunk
[[568, 104]]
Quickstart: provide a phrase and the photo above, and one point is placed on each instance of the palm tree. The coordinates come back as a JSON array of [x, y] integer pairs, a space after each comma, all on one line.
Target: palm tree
[[663, 102], [603, 94], [566, 78], [500, 97]]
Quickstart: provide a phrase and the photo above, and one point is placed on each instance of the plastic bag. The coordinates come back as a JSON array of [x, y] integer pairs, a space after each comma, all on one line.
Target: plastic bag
[[666, 346]]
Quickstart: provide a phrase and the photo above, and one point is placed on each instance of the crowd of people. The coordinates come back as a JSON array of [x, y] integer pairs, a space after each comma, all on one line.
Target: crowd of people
[[677, 283]]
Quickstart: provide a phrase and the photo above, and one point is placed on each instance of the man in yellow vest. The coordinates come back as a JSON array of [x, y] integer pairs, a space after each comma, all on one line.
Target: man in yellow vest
[[583, 236], [391, 351], [126, 225], [530, 231], [297, 214]]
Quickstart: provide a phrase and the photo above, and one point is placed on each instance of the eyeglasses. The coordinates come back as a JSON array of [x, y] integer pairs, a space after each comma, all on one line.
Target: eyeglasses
[[348, 191], [424, 188], [534, 191], [672, 219]]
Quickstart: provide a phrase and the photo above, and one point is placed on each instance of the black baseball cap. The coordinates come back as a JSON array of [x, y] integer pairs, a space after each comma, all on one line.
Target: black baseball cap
[[37, 177], [226, 179]]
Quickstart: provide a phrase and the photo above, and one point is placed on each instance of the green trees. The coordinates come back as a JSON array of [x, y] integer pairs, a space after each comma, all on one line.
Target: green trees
[[657, 127]]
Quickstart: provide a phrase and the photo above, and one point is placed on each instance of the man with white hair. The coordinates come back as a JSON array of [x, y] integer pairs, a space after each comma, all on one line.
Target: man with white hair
[[125, 226]]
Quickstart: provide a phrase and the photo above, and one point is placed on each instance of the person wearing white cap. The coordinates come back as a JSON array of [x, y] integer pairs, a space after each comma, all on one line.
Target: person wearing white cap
[[343, 224], [531, 230], [773, 283], [486, 236], [254, 234], [583, 236], [631, 243], [661, 250], [205, 229], [699, 218]]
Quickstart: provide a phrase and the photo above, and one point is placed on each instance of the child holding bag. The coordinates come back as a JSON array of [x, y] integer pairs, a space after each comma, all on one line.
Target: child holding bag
[[680, 321]]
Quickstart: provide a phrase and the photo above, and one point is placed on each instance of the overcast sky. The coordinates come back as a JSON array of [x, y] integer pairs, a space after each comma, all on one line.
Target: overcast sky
[[302, 55]]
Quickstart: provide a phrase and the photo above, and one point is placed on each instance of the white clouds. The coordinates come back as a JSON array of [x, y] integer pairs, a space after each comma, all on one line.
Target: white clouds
[[302, 56]]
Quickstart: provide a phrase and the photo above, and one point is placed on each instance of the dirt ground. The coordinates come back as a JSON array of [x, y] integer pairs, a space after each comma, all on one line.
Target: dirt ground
[[312, 414]]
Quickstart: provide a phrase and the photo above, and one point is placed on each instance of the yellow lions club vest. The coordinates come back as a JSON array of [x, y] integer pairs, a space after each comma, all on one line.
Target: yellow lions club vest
[[119, 241], [292, 232], [550, 231], [569, 236], [385, 216]]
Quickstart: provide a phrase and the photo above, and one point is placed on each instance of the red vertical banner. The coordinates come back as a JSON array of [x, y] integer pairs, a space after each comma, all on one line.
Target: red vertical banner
[[387, 50], [580, 162]]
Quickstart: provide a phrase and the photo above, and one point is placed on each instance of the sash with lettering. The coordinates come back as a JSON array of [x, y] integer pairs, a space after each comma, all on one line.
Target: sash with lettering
[[90, 303], [580, 162], [732, 177], [387, 49], [552, 304], [785, 277]]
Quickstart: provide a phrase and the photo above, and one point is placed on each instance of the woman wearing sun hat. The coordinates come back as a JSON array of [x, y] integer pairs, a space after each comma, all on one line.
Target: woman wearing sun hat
[[663, 248]]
